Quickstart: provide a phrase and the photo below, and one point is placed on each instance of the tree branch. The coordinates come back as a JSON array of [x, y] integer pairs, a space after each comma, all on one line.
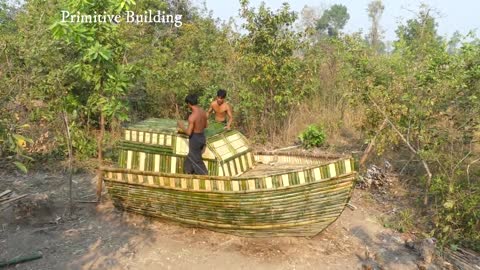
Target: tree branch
[[424, 163]]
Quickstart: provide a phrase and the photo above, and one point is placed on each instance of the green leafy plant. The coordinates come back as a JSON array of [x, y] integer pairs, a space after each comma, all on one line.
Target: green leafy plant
[[13, 144], [312, 136]]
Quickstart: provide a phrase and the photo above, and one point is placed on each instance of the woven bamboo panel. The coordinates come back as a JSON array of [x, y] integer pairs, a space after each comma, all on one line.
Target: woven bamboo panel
[[160, 162], [306, 175], [294, 204], [227, 152]]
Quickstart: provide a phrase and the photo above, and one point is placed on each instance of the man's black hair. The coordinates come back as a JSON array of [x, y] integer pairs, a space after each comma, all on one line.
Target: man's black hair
[[191, 99], [221, 93]]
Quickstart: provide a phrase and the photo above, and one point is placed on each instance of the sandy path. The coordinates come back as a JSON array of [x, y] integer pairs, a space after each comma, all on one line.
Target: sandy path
[[101, 237]]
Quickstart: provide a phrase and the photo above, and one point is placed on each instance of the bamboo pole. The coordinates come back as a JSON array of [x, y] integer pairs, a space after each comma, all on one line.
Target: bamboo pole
[[6, 192], [21, 259], [5, 195], [13, 199]]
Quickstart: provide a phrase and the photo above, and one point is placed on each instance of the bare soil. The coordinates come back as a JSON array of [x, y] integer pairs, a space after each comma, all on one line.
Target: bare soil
[[102, 237]]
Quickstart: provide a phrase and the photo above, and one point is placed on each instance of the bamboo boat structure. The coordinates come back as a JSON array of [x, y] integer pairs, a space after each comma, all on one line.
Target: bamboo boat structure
[[257, 194]]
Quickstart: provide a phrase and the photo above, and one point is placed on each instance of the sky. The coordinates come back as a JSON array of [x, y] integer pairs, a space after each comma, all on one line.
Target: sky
[[461, 15]]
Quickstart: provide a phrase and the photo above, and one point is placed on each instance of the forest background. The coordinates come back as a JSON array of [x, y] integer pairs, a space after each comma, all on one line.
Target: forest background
[[417, 103]]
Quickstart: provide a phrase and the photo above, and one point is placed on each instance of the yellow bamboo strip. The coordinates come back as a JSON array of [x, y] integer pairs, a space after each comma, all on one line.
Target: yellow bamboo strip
[[173, 167], [232, 167], [143, 156], [235, 186], [150, 180], [161, 139], [129, 159], [134, 135], [196, 184], [157, 163], [221, 185], [208, 186], [237, 163], [348, 166], [285, 180], [332, 170], [220, 171], [169, 140], [316, 173], [183, 183], [268, 182], [251, 184], [148, 137], [301, 176]]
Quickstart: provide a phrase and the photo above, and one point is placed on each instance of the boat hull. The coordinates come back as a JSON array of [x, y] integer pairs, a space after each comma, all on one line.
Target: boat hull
[[299, 203]]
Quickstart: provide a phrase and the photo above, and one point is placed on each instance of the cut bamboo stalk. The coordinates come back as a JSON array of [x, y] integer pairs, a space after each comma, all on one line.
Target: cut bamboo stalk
[[5, 193], [21, 259], [14, 199]]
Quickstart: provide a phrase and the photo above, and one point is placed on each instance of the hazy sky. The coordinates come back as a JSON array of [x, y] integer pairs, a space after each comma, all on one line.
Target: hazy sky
[[461, 15]]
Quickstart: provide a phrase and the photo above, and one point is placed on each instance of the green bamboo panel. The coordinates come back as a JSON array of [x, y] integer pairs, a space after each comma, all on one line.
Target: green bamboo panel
[[135, 146]]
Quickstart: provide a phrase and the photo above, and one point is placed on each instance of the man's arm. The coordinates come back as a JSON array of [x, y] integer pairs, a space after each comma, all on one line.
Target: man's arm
[[210, 110], [230, 116], [189, 129]]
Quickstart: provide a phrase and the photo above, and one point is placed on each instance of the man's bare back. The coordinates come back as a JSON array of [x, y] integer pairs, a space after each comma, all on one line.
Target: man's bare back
[[198, 119], [197, 122]]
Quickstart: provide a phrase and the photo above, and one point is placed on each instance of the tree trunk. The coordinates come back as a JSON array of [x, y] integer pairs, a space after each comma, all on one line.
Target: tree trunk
[[100, 156], [372, 144], [70, 160]]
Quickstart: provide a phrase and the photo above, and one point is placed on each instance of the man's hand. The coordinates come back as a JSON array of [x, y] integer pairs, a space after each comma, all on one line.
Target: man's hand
[[181, 126], [227, 127]]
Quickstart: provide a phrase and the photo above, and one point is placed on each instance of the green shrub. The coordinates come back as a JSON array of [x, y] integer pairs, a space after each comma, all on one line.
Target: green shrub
[[312, 136]]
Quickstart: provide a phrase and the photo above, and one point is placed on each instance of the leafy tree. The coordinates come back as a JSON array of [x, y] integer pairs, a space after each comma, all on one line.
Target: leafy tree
[[429, 100], [99, 49], [419, 35], [333, 20], [269, 67], [176, 61]]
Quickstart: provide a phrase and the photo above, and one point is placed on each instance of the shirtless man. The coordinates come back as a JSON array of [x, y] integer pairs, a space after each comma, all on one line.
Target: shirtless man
[[197, 122], [221, 109]]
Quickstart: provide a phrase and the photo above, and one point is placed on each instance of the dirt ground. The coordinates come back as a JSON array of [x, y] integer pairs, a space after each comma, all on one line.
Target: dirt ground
[[102, 237]]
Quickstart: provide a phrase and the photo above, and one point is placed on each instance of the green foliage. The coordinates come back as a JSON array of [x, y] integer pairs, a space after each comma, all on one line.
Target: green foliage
[[333, 20], [430, 97], [13, 145], [268, 65], [312, 136], [402, 221], [84, 145], [458, 218], [427, 87], [99, 49]]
